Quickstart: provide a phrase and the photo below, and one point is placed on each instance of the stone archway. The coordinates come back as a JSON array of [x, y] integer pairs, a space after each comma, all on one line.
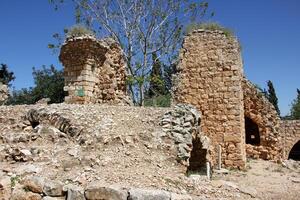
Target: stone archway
[[199, 155], [252, 132], [295, 152], [197, 161]]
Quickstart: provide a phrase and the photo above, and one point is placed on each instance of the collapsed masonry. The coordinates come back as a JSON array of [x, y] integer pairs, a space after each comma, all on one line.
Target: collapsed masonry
[[94, 71], [235, 115], [3, 93]]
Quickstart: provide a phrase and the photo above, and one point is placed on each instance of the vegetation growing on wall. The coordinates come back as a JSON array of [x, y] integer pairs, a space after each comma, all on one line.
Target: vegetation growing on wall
[[79, 30], [212, 26]]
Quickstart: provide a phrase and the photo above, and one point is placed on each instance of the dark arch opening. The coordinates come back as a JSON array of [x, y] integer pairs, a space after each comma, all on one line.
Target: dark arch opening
[[295, 152], [197, 161], [252, 132], [34, 124]]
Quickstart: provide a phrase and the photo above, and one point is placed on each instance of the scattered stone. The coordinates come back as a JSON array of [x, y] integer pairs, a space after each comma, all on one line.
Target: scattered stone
[[20, 194], [143, 194], [97, 191], [180, 197], [53, 188], [34, 184], [74, 192]]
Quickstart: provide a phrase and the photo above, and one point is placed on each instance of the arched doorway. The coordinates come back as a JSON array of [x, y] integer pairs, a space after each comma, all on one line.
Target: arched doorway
[[252, 132], [295, 152], [197, 161]]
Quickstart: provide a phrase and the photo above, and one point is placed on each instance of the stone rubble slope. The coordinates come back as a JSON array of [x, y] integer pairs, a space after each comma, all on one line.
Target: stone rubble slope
[[65, 145]]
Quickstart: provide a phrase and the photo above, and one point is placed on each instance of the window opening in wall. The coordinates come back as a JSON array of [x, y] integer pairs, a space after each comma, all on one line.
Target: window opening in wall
[[252, 132], [295, 152], [197, 161]]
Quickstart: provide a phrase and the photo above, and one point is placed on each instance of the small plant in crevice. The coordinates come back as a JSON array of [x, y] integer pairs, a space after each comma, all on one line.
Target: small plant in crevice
[[212, 26], [78, 31], [14, 180]]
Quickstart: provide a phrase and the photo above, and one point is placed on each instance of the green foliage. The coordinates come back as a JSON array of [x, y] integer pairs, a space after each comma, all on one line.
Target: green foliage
[[157, 84], [159, 101], [272, 97], [212, 26], [79, 30], [49, 83], [5, 75], [295, 109], [14, 180]]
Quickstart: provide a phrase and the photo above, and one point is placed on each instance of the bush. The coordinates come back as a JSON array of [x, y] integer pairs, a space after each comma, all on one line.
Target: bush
[[49, 83], [158, 101], [79, 30], [212, 26]]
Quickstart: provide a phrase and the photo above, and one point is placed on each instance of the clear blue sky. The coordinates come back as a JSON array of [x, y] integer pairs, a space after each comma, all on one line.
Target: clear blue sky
[[269, 31]]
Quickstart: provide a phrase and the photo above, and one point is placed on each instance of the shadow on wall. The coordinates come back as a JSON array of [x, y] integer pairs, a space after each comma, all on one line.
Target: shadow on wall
[[295, 152], [252, 132], [197, 161]]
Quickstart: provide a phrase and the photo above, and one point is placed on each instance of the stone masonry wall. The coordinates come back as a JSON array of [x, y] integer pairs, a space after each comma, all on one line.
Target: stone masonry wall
[[3, 93], [94, 71], [290, 132], [209, 76], [263, 113]]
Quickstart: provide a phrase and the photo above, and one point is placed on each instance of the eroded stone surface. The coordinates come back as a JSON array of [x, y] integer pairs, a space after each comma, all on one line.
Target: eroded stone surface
[[94, 71]]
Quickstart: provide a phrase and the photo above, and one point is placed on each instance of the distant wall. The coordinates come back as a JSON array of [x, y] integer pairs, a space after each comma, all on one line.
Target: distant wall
[[290, 132], [210, 77]]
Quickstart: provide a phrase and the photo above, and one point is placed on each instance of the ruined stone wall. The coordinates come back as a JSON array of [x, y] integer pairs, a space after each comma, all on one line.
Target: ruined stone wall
[[94, 71], [3, 93], [290, 132], [262, 113], [209, 76]]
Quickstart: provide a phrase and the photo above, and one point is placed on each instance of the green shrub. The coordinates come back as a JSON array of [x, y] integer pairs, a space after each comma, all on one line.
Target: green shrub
[[212, 26], [79, 30], [159, 101]]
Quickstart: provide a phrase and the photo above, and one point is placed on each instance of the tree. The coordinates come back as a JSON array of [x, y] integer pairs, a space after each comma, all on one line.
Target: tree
[[5, 75], [295, 109], [141, 27], [271, 95], [49, 83], [157, 84]]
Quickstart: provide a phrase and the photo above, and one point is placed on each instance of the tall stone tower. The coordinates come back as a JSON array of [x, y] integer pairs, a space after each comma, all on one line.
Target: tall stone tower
[[209, 76], [94, 71]]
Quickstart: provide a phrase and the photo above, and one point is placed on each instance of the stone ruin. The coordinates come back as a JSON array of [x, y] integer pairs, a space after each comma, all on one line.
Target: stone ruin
[[94, 71], [3, 93], [237, 121], [237, 118]]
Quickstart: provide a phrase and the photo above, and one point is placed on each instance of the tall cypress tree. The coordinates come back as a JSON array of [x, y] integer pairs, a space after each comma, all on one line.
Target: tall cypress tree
[[157, 84], [272, 96]]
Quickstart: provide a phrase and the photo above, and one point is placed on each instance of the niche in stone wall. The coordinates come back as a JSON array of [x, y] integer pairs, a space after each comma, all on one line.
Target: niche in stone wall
[[252, 132], [197, 161], [295, 152]]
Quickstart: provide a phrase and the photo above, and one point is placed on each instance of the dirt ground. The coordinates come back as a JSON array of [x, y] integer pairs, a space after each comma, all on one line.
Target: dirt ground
[[266, 180], [124, 145]]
